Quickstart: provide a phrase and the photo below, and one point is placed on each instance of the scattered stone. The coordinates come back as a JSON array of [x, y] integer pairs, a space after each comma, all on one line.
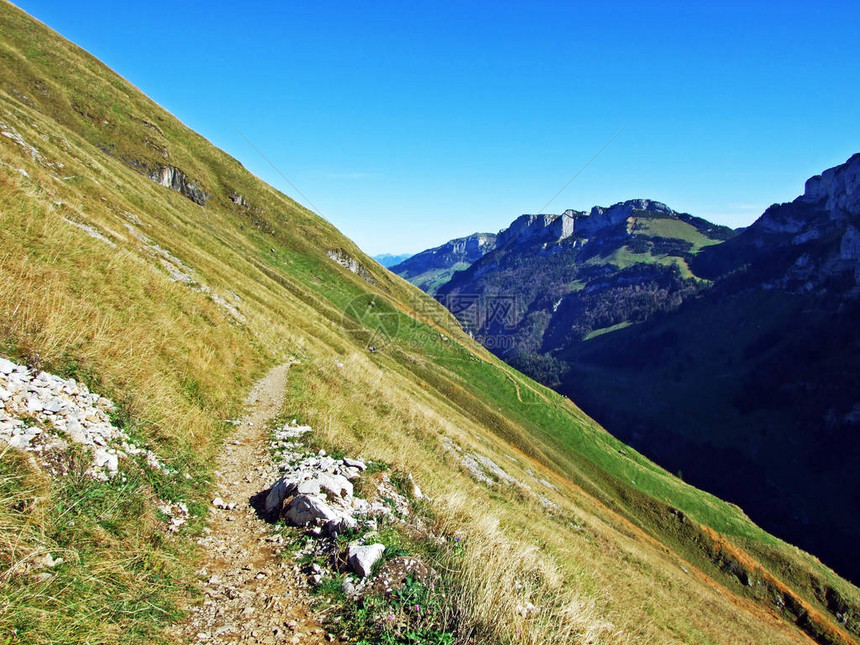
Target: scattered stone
[[348, 586], [362, 558], [92, 231], [304, 509], [354, 463], [340, 526], [416, 492], [335, 485], [48, 561], [525, 609], [6, 367], [41, 413]]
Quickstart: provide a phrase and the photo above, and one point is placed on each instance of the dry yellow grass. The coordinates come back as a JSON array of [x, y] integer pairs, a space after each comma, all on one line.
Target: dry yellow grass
[[592, 575], [110, 311]]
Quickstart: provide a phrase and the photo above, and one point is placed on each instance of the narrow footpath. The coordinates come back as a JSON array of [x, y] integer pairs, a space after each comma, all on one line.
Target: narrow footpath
[[252, 594]]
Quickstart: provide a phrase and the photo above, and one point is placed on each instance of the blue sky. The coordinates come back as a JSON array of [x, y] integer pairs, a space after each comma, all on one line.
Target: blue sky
[[408, 123]]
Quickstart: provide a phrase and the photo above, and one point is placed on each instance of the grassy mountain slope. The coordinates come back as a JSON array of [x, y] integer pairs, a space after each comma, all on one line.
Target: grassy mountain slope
[[173, 308], [740, 412]]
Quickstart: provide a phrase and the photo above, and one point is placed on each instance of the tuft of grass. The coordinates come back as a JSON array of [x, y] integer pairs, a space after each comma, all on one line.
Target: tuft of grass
[[121, 575]]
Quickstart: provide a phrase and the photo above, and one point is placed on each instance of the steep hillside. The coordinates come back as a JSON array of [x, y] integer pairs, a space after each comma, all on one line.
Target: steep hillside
[[434, 267], [554, 280], [752, 389], [152, 268]]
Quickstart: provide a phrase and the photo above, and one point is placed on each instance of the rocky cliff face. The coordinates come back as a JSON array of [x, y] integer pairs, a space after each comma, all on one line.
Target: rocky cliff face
[[838, 188], [433, 267], [581, 224], [600, 218], [805, 246], [545, 228], [175, 179]]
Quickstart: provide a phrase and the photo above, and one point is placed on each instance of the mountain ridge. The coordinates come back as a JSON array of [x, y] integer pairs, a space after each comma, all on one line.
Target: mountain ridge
[[434, 266], [542, 526], [650, 325]]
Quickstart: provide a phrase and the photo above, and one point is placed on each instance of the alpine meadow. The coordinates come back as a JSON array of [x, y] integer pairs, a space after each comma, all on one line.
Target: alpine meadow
[[150, 493]]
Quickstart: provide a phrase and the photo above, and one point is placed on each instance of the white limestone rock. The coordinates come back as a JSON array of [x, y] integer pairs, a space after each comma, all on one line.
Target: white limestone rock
[[304, 509], [336, 486], [362, 558]]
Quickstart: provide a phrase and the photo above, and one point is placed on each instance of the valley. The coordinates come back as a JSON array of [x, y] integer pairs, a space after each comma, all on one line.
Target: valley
[[727, 356], [147, 273]]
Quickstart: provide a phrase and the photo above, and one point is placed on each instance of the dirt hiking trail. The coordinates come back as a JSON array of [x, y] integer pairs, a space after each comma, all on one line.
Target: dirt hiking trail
[[251, 594]]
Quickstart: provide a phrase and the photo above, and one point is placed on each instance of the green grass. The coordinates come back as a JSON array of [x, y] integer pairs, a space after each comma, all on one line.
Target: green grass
[[118, 578], [180, 366], [674, 229], [606, 330], [623, 258]]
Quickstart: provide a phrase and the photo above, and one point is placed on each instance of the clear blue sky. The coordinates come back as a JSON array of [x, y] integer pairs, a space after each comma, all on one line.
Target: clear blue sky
[[407, 123]]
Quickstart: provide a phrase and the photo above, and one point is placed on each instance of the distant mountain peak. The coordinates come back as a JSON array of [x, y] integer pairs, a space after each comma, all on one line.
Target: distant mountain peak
[[555, 228], [838, 187], [633, 205], [391, 259], [431, 268], [809, 245]]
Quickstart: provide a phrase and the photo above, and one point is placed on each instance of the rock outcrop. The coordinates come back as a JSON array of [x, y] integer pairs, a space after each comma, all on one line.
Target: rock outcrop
[[175, 179], [600, 218], [346, 260], [316, 494], [838, 188], [806, 246], [543, 228]]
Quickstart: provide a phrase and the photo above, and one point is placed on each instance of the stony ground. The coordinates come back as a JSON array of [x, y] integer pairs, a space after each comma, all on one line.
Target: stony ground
[[252, 594]]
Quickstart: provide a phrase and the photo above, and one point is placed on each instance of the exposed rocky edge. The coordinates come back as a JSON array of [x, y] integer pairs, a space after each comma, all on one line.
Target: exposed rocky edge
[[555, 228], [346, 260], [486, 471], [175, 179], [807, 246], [546, 228], [31, 150], [238, 199], [167, 176], [838, 187], [43, 414], [600, 218], [92, 231]]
